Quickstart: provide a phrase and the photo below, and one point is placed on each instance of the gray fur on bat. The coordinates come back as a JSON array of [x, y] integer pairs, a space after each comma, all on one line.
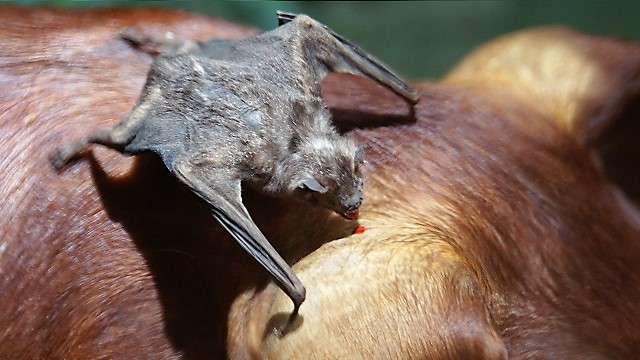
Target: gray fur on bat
[[222, 112]]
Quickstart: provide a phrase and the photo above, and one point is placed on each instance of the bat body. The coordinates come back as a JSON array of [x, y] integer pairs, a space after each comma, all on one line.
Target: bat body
[[220, 113]]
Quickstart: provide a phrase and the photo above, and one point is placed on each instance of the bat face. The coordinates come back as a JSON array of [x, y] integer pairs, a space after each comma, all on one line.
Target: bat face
[[332, 177]]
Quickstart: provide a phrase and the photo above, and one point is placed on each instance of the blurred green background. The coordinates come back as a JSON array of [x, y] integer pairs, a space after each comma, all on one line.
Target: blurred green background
[[418, 39]]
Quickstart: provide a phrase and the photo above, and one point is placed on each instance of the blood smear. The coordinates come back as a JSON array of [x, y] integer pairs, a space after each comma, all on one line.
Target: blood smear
[[359, 230]]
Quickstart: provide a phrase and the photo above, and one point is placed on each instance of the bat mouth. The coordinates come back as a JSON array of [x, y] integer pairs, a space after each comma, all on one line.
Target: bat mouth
[[351, 214]]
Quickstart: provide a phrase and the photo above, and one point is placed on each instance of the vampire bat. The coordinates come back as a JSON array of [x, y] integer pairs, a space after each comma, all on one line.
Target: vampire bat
[[222, 112]]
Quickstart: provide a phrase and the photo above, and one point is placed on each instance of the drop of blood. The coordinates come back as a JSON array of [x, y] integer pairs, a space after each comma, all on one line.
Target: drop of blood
[[359, 229]]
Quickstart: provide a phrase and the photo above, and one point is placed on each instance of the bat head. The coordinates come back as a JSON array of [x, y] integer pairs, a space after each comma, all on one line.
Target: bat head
[[323, 170], [330, 175]]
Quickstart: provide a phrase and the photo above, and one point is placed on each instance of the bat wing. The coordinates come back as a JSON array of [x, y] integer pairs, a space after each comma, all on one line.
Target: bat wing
[[222, 195], [340, 55]]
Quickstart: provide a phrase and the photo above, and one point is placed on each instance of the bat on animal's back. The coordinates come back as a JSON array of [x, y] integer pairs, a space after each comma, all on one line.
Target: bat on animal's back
[[219, 113]]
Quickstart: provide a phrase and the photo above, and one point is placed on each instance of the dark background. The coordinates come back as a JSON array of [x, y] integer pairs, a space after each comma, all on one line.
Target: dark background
[[418, 39]]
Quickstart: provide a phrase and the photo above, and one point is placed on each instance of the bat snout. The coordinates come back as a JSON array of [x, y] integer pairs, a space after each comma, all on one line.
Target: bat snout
[[352, 214], [351, 208]]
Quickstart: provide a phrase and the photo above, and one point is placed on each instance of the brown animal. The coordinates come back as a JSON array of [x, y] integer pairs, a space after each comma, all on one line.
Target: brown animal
[[493, 229]]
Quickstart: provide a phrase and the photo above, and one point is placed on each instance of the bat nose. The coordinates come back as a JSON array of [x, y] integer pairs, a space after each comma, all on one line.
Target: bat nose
[[352, 214], [351, 206]]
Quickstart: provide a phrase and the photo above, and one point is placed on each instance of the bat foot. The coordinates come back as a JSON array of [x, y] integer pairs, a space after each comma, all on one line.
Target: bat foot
[[63, 155]]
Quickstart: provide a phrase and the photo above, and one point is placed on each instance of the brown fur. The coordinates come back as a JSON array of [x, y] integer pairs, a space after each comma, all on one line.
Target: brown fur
[[492, 229]]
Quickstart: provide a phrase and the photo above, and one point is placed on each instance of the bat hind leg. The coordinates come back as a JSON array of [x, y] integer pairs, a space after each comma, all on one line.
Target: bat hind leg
[[116, 138], [167, 43]]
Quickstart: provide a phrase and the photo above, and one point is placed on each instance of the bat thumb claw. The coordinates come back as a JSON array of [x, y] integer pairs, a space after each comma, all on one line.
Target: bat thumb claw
[[292, 323]]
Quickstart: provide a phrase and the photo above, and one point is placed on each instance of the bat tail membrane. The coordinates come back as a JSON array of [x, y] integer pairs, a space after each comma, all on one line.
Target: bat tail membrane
[[366, 64]]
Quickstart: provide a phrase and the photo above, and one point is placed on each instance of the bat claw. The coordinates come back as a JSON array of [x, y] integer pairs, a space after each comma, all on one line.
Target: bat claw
[[291, 324]]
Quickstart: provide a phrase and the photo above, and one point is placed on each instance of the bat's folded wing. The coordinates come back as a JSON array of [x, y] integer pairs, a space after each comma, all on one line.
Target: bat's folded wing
[[341, 55], [222, 195]]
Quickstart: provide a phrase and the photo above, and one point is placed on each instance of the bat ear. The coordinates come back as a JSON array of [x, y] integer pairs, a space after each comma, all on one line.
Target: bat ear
[[309, 183], [359, 156]]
